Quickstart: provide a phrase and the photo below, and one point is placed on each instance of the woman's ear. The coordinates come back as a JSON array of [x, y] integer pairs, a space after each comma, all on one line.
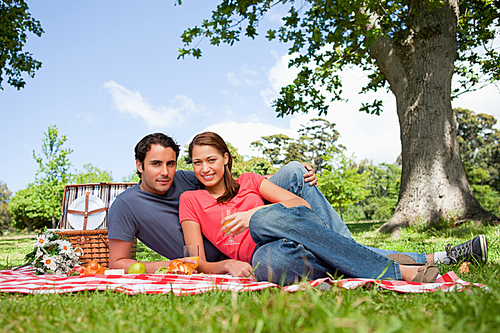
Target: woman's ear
[[226, 158]]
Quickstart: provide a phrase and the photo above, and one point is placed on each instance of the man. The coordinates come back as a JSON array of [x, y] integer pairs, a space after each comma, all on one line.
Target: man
[[149, 210]]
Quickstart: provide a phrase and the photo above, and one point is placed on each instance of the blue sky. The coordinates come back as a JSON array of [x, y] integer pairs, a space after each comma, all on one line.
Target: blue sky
[[110, 75]]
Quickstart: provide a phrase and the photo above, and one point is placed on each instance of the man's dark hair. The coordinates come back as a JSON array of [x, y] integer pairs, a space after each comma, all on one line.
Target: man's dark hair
[[144, 146]]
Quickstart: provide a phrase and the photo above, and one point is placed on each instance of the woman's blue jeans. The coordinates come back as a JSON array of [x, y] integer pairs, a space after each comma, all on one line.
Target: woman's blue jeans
[[297, 243]]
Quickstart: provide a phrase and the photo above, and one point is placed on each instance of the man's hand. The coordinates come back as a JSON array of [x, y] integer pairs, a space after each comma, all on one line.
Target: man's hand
[[310, 176]]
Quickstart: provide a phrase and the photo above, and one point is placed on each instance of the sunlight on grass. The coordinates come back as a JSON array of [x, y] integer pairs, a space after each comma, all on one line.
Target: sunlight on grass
[[271, 310], [13, 250]]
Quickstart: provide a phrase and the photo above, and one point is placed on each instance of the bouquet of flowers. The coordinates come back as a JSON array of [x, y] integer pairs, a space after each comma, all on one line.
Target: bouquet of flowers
[[53, 254]]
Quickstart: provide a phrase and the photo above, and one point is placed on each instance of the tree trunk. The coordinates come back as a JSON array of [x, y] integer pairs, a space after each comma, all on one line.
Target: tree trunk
[[419, 72], [28, 223]]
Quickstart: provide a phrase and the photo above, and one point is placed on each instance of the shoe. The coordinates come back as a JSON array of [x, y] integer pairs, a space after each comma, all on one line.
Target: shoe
[[475, 249], [402, 259], [427, 273]]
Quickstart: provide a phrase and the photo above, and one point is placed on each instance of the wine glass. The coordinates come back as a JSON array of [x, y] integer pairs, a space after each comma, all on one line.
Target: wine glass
[[192, 252], [226, 211]]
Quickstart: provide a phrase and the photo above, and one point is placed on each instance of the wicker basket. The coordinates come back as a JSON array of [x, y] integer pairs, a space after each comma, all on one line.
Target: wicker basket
[[94, 244]]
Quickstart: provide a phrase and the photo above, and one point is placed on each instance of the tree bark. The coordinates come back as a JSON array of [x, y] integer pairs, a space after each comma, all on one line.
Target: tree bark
[[28, 224], [419, 71]]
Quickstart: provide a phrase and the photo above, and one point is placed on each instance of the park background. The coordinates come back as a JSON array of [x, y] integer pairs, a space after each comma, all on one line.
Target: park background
[[110, 75]]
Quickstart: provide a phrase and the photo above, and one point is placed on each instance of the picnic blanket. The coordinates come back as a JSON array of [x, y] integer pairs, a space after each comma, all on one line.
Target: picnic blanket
[[25, 281]]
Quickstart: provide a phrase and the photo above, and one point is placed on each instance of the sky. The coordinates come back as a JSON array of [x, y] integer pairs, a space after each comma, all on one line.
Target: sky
[[110, 75]]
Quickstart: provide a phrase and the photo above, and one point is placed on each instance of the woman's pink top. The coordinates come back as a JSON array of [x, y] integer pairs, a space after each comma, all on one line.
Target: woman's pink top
[[201, 207]]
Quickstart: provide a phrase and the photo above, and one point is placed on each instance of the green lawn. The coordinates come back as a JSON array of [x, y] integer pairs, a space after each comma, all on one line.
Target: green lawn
[[272, 310]]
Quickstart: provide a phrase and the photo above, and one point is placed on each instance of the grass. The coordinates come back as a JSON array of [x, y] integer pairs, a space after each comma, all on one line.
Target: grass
[[271, 310]]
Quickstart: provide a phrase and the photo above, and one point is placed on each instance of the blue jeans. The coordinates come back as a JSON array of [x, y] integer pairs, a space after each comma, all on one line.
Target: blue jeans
[[296, 243], [291, 178]]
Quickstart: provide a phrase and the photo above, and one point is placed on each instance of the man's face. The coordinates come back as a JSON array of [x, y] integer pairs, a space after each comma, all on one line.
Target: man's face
[[158, 172]]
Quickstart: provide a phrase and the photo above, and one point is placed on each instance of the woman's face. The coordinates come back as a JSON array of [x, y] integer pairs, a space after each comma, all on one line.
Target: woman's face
[[208, 165]]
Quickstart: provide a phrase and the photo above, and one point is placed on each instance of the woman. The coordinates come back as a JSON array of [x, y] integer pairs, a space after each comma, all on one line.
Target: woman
[[286, 240]]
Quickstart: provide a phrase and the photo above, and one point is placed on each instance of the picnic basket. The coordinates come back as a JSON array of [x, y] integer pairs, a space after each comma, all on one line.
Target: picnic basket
[[85, 206]]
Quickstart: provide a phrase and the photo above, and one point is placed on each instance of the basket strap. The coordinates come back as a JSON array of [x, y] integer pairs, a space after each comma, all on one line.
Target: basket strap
[[87, 195], [79, 212]]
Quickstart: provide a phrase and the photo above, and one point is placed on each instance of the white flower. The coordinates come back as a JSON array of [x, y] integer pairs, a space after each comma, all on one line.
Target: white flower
[[62, 257], [49, 262], [58, 259], [41, 240], [65, 247]]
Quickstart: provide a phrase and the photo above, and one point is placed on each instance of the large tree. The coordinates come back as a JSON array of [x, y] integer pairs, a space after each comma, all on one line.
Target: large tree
[[279, 149], [15, 23], [40, 203], [316, 138], [91, 174], [33, 207], [411, 47]]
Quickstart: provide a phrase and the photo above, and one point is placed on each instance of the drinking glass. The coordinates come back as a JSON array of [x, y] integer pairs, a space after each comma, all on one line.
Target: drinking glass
[[192, 252], [226, 211]]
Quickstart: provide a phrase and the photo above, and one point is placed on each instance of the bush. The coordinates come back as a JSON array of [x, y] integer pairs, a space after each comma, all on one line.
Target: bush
[[354, 213]]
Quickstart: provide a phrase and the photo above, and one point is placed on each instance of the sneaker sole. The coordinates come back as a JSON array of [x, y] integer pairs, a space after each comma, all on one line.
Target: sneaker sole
[[402, 259], [484, 248]]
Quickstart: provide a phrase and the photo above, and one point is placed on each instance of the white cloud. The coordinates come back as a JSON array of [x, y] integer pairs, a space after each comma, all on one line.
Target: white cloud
[[226, 111], [245, 75], [241, 135], [367, 136], [132, 103], [86, 117], [278, 76], [231, 77], [248, 75]]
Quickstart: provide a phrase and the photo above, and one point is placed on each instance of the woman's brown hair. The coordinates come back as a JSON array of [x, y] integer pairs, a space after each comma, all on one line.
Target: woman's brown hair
[[214, 140]]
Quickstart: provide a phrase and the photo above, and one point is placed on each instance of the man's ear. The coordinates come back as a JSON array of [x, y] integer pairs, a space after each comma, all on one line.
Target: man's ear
[[139, 166]]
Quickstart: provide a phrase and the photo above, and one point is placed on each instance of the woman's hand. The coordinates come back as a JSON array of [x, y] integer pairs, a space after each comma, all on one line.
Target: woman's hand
[[238, 268], [238, 222]]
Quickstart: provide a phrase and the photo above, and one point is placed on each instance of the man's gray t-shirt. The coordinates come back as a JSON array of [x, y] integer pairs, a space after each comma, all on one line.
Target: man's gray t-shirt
[[154, 219]]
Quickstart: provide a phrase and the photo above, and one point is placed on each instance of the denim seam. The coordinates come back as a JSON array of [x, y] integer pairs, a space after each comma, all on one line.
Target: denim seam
[[397, 272]]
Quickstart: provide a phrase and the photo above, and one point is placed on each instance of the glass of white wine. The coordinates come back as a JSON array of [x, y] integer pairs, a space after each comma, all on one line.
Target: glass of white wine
[[226, 211]]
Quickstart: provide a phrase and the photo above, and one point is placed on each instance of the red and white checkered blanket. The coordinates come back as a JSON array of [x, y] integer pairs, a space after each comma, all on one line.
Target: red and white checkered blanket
[[25, 281]]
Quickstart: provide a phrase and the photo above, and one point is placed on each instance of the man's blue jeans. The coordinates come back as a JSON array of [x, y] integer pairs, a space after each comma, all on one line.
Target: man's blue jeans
[[296, 243]]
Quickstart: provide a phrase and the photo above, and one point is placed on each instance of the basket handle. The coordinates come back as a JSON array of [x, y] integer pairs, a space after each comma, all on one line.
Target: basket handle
[[104, 241]]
